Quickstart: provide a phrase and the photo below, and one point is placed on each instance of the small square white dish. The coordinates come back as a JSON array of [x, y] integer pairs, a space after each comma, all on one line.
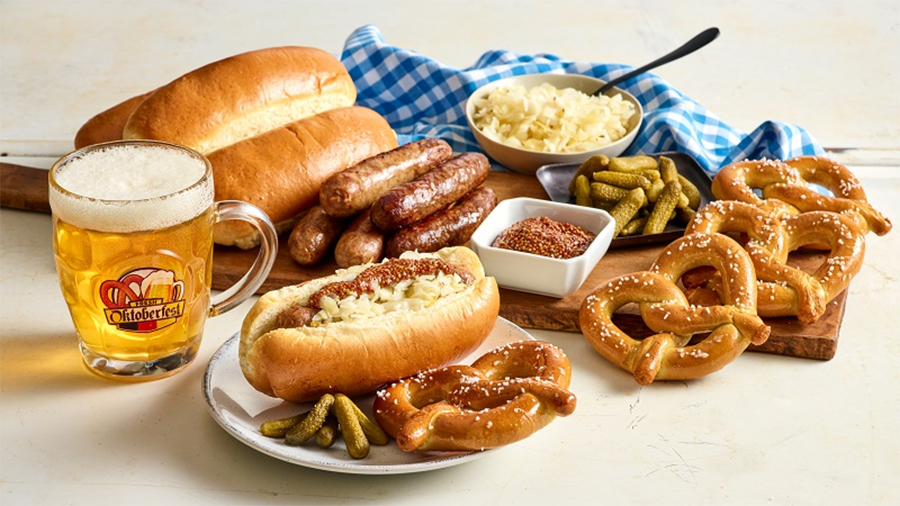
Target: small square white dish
[[538, 274]]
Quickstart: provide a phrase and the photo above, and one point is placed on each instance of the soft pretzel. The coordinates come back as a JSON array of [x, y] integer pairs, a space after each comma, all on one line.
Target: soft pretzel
[[668, 354], [785, 188], [503, 397], [738, 180], [784, 290], [847, 243]]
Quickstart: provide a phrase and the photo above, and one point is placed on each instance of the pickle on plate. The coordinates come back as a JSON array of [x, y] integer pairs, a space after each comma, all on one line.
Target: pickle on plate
[[634, 226], [632, 163], [685, 214], [627, 208], [652, 175], [667, 169], [582, 191], [663, 209], [669, 172], [328, 432], [280, 427], [373, 432], [306, 429], [656, 187], [627, 180], [357, 444], [691, 191], [587, 168], [607, 192]]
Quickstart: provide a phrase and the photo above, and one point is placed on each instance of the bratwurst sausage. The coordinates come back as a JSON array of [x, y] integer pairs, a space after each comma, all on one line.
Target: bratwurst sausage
[[314, 235], [435, 190], [354, 190], [361, 243], [449, 227]]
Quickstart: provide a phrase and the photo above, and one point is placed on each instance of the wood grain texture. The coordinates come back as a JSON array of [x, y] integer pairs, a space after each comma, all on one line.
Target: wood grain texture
[[26, 188]]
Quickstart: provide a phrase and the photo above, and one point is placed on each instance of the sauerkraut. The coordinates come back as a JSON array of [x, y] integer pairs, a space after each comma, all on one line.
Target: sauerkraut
[[551, 120], [407, 295]]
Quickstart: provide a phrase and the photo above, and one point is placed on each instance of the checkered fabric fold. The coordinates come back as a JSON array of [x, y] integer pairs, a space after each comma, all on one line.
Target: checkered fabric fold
[[421, 97]]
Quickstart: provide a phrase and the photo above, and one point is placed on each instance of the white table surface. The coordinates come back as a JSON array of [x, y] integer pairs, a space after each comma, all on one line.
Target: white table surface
[[765, 430]]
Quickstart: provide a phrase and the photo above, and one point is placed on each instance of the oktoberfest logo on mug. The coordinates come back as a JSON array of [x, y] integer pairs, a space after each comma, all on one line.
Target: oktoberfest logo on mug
[[143, 300]]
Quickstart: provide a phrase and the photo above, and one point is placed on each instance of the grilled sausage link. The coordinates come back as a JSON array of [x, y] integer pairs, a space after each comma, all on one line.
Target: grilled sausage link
[[314, 235], [295, 316], [430, 193], [361, 243], [449, 227], [354, 190]]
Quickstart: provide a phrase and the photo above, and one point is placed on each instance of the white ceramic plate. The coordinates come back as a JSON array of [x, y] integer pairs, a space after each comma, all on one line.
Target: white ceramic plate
[[240, 410]]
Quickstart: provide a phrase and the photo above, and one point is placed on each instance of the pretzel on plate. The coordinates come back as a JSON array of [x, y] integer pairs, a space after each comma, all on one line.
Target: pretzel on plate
[[783, 290], [503, 397], [668, 354], [785, 188]]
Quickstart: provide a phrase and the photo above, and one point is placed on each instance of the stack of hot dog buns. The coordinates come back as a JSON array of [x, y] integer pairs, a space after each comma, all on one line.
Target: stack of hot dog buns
[[274, 123], [368, 325], [417, 197]]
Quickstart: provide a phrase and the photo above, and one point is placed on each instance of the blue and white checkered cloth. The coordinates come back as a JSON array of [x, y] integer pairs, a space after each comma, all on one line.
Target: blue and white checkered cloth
[[421, 97]]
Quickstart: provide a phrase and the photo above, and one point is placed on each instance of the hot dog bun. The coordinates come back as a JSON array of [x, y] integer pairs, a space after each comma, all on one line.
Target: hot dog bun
[[108, 125], [242, 96], [357, 356], [281, 170]]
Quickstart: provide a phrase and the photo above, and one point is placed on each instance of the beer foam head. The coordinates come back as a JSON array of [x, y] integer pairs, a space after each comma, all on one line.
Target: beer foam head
[[130, 187]]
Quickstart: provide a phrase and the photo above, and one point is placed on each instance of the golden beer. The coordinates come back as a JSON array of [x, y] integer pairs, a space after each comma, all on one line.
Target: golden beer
[[121, 317], [133, 242]]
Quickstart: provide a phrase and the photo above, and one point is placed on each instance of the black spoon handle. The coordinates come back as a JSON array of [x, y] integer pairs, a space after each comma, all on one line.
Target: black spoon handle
[[701, 39]]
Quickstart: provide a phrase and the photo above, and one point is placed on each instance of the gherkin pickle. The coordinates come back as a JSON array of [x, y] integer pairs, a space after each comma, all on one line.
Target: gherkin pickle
[[652, 175], [685, 214], [632, 163], [280, 427], [607, 192], [327, 433], [627, 180], [306, 429], [656, 187], [587, 168], [357, 444], [669, 172], [634, 226], [691, 191], [627, 208], [582, 191], [662, 210], [373, 432], [667, 169]]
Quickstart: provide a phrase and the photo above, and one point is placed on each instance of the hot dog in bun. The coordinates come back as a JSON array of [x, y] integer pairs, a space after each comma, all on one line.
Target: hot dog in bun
[[368, 325]]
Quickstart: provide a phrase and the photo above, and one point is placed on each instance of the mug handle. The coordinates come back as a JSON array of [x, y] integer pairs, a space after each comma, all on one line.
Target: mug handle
[[265, 259]]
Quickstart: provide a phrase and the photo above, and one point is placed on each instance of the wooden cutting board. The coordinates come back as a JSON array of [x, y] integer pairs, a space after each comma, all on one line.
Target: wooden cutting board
[[26, 188]]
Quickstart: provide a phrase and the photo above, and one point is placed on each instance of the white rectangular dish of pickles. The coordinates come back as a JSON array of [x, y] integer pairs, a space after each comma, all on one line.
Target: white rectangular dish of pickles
[[664, 189]]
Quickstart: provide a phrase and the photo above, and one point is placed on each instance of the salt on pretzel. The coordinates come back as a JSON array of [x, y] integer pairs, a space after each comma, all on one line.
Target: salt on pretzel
[[503, 397], [668, 354], [784, 290], [768, 246], [738, 180], [785, 188]]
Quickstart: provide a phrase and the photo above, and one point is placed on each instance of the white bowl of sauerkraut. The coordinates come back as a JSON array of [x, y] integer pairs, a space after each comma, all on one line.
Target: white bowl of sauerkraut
[[526, 122]]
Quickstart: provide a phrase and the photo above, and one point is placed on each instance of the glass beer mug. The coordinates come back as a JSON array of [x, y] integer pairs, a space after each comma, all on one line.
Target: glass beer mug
[[133, 241]]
